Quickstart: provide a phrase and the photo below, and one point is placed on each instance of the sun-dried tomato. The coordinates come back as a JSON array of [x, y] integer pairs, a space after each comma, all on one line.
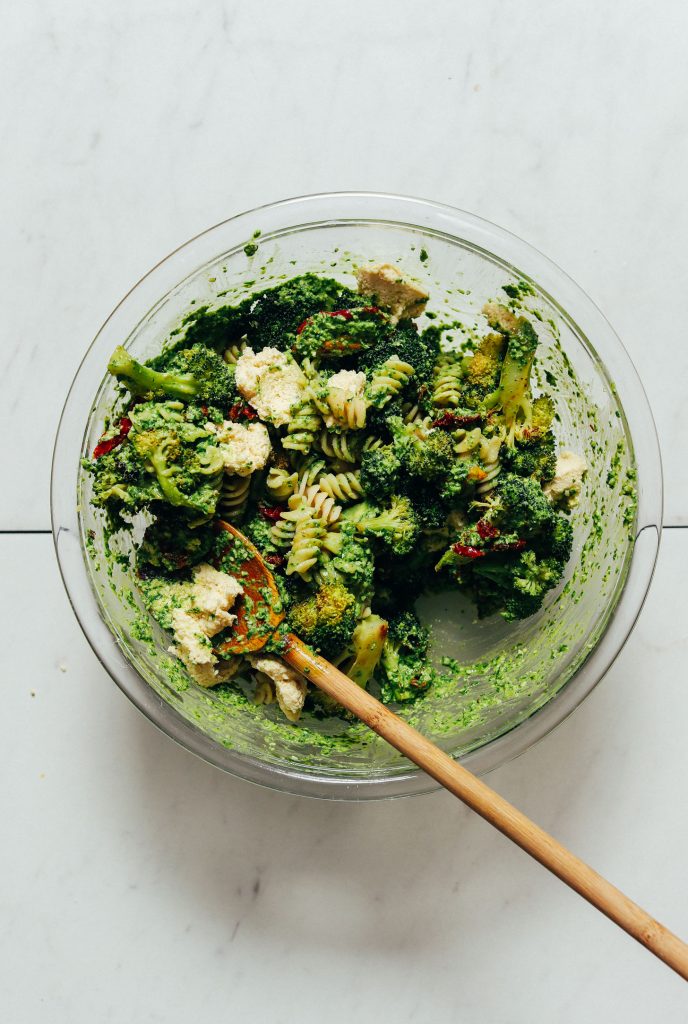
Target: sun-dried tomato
[[486, 530], [241, 412], [103, 447], [453, 420], [466, 551], [270, 512]]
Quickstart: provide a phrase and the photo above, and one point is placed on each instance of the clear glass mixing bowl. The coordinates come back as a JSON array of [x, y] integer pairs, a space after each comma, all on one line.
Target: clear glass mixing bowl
[[518, 681]]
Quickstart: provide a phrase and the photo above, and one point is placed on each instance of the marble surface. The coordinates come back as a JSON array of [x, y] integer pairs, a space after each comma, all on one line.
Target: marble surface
[[140, 884], [128, 128], [136, 882]]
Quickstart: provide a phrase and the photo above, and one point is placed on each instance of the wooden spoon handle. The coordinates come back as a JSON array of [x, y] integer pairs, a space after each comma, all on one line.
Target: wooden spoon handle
[[489, 805]]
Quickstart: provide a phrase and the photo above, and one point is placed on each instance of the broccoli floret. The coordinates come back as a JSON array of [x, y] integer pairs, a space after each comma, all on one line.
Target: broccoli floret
[[397, 526], [419, 350], [532, 451], [339, 333], [326, 620], [405, 674], [379, 473], [482, 369], [278, 312], [427, 457], [516, 586], [120, 480], [557, 539], [353, 565], [191, 373], [431, 508], [536, 458], [163, 459], [520, 506], [512, 394], [366, 649], [171, 544]]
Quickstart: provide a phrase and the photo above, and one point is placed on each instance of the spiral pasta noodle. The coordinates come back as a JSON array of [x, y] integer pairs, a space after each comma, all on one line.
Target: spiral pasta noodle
[[233, 352], [303, 427], [346, 410], [309, 470], [264, 692], [339, 446], [234, 496], [446, 387], [280, 483], [489, 454], [345, 486], [309, 534], [323, 503], [389, 380]]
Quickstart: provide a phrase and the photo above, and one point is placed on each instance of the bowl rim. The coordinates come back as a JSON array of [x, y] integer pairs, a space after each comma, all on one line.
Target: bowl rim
[[347, 206]]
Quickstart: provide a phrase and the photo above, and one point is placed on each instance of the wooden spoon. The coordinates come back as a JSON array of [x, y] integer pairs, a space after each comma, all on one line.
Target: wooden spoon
[[260, 589]]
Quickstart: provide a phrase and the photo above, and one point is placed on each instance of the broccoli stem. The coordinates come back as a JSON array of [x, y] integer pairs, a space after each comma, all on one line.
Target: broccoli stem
[[164, 474], [513, 391], [141, 379]]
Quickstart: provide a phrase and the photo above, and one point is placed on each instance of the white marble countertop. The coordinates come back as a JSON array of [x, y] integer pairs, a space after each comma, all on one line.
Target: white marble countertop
[[139, 884]]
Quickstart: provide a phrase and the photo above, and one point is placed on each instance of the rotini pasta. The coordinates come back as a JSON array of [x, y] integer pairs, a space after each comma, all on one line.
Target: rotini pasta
[[281, 483], [489, 454], [303, 427], [234, 497], [345, 486], [233, 352], [389, 380], [346, 410], [339, 446], [447, 386], [322, 502], [309, 534]]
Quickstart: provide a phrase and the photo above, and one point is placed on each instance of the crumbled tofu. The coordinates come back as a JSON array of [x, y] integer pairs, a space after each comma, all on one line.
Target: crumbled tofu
[[392, 289], [350, 385], [244, 448], [271, 381], [566, 486], [290, 687], [500, 317], [203, 614]]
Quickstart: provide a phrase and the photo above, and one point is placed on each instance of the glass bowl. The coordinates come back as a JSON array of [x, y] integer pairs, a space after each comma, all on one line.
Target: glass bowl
[[515, 682]]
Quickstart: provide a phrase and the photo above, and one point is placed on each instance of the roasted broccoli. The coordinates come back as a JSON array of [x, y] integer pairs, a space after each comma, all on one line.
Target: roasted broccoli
[[190, 373], [326, 619], [481, 370], [425, 454], [379, 473], [516, 586], [405, 674], [171, 544], [513, 395], [277, 313], [164, 458], [365, 650], [396, 526]]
